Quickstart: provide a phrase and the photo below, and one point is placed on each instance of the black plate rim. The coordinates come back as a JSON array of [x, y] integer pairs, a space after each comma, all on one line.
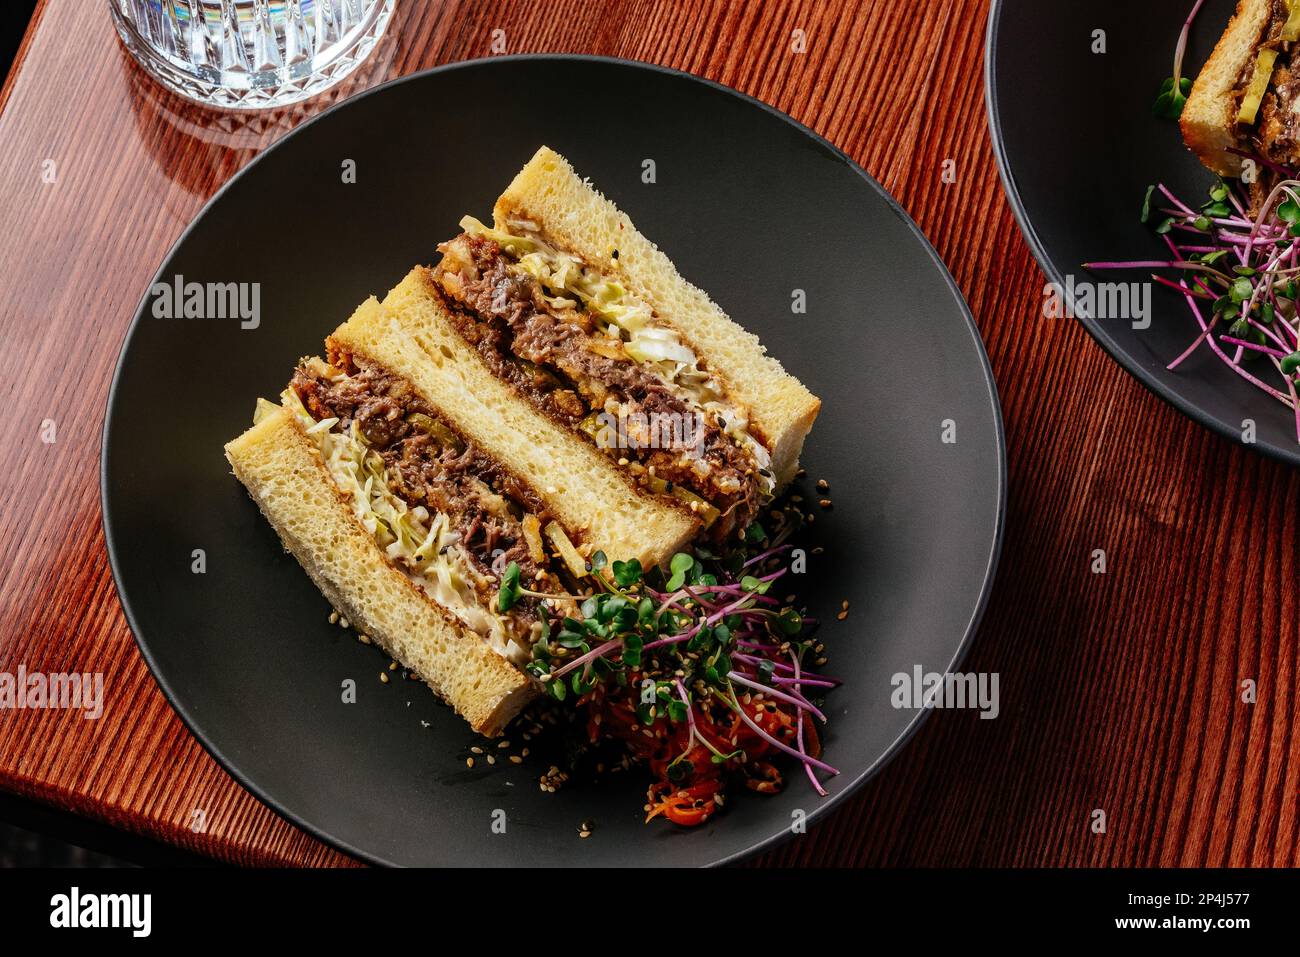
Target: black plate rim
[[991, 561], [1095, 329]]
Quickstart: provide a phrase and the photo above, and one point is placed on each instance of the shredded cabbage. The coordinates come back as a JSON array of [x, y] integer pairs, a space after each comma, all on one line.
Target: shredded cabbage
[[631, 321], [421, 544]]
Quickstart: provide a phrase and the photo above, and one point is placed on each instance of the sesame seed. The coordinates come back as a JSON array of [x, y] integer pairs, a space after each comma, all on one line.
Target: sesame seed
[[824, 502], [842, 615], [334, 618], [516, 759], [491, 759], [823, 485], [469, 762], [343, 623], [383, 676]]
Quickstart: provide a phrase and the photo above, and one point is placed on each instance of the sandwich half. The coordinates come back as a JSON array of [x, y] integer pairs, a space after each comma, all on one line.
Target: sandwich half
[[593, 503], [405, 523], [1247, 96], [564, 304]]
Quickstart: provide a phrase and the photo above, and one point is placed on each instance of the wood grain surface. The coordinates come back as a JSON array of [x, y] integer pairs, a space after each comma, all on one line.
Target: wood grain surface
[[1121, 691]]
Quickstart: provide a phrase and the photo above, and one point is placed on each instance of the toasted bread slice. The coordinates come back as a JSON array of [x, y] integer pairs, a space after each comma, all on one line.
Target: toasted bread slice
[[1209, 119], [286, 477], [577, 219], [598, 505]]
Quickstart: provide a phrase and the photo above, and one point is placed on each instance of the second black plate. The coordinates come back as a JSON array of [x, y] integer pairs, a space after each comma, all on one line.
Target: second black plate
[[1078, 145]]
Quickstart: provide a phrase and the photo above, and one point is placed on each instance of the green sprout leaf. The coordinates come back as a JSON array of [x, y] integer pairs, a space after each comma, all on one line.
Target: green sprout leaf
[[1146, 203], [1239, 329], [791, 621], [681, 770], [1169, 103], [627, 574], [681, 564], [509, 593], [724, 758]]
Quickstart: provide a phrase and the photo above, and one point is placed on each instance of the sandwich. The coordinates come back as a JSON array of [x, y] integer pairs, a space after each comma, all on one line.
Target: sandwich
[[546, 466], [562, 303], [1245, 102], [399, 521]]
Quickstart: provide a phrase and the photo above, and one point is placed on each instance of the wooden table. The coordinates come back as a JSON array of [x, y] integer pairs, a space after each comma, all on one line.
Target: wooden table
[[1121, 690]]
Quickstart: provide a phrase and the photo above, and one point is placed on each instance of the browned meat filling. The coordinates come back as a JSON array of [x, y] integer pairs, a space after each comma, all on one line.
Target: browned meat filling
[[571, 370], [431, 465]]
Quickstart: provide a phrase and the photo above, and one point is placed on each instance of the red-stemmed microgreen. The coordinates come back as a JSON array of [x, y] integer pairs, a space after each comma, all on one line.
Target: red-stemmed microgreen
[[682, 629]]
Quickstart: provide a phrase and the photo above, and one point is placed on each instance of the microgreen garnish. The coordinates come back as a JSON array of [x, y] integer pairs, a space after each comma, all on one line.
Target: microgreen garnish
[[627, 574], [1169, 104], [1236, 270], [684, 647], [1175, 89], [509, 592], [680, 564]]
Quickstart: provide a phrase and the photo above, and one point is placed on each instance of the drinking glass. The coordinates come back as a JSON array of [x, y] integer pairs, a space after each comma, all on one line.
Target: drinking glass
[[250, 54]]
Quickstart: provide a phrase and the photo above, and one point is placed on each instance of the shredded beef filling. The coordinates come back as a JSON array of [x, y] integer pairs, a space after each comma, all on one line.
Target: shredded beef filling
[[562, 362], [430, 465]]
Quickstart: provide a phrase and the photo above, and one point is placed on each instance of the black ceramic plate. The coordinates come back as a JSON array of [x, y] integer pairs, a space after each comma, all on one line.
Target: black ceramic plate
[[1078, 145], [751, 206]]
